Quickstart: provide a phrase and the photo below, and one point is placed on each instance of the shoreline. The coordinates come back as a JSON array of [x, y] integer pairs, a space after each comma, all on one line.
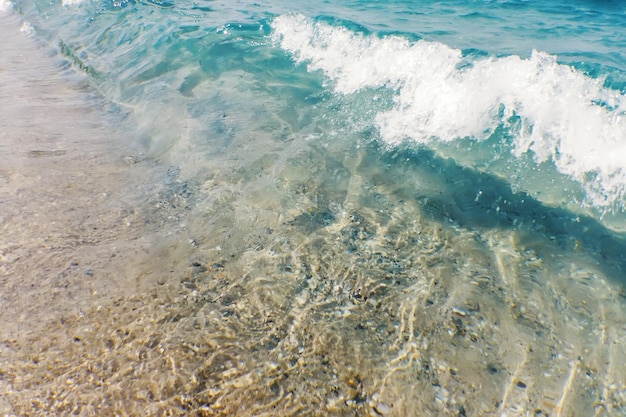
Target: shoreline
[[69, 215], [306, 280]]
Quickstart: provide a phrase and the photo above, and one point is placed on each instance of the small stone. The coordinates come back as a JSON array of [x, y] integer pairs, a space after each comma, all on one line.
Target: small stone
[[189, 284], [131, 160], [382, 408]]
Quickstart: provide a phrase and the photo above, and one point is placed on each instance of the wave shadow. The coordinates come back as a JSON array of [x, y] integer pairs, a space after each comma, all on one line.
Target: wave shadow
[[478, 200]]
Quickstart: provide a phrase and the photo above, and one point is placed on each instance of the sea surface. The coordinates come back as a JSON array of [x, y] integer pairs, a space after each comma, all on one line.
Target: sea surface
[[297, 208]]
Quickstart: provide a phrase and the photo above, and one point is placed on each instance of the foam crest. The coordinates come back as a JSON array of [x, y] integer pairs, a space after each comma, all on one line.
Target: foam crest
[[550, 109]]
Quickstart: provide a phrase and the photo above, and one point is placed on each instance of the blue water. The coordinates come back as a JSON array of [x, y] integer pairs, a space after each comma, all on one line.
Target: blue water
[[502, 119], [525, 86]]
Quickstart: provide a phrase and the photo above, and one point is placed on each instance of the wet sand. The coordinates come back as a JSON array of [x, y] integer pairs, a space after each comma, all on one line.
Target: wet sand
[[68, 203], [74, 235], [307, 282]]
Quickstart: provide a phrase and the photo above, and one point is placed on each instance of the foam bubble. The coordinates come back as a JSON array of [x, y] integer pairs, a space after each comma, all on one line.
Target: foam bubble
[[26, 28], [555, 112]]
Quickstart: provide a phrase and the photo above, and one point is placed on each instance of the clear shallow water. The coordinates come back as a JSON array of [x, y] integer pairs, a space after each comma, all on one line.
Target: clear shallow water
[[372, 209]]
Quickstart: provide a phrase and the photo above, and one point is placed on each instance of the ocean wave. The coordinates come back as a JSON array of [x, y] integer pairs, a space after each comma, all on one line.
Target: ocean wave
[[551, 111]]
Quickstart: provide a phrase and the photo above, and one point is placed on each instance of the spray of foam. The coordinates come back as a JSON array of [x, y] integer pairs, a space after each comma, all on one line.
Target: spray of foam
[[566, 117]]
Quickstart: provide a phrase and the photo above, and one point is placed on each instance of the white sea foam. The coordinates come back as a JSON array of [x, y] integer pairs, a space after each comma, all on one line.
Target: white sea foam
[[563, 116], [71, 2], [27, 28], [5, 6]]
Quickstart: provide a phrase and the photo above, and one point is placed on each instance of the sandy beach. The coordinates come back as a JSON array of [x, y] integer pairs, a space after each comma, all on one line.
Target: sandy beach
[[304, 281]]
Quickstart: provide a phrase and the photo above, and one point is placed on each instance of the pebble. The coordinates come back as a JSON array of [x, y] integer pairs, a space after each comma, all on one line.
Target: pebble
[[382, 408], [131, 160], [173, 171], [459, 311]]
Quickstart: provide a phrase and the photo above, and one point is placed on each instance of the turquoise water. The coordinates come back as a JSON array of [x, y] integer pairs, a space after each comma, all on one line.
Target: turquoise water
[[534, 91], [389, 208]]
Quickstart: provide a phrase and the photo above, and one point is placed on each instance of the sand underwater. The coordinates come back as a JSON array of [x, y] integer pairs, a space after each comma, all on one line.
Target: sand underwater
[[294, 278]]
